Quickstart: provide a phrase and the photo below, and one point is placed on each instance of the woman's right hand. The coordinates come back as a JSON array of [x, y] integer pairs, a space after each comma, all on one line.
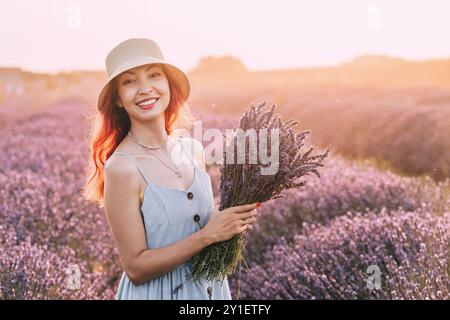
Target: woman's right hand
[[225, 224]]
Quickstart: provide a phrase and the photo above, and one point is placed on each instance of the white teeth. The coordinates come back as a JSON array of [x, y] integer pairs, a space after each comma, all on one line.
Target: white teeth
[[146, 103]]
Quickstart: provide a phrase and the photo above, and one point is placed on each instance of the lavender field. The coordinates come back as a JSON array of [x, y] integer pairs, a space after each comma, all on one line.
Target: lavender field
[[318, 243]]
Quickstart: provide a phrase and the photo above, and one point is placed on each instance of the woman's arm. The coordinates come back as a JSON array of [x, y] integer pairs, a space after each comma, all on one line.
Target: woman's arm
[[122, 208]]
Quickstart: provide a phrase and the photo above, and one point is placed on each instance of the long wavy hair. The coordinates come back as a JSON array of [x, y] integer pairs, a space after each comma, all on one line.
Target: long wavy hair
[[110, 125]]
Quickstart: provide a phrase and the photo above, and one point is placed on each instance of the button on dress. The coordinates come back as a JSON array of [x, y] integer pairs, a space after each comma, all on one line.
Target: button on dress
[[170, 215]]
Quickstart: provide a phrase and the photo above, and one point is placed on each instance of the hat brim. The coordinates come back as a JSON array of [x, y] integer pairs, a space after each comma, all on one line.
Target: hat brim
[[179, 76]]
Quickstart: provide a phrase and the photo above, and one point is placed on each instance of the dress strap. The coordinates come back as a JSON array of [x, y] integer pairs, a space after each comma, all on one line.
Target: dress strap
[[137, 165], [140, 168]]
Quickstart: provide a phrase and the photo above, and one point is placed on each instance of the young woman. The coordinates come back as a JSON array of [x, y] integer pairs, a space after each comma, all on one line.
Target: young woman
[[154, 186]]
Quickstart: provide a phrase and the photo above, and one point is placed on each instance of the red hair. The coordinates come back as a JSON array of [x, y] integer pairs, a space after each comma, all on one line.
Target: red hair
[[111, 125]]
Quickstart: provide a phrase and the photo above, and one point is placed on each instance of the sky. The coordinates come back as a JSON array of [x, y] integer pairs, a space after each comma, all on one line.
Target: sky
[[65, 35]]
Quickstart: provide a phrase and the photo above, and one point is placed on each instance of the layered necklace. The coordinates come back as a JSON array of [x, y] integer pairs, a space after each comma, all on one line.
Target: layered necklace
[[148, 148]]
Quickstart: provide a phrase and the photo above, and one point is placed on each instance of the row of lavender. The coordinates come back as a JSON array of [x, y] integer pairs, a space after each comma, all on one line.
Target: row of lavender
[[355, 233], [305, 246], [406, 251], [325, 241], [53, 244]]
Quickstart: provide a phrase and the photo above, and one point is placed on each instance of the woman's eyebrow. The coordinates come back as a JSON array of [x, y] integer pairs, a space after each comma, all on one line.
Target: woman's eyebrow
[[146, 69]]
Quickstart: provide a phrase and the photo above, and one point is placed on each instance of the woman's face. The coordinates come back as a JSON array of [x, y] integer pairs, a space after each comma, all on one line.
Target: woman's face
[[136, 86]]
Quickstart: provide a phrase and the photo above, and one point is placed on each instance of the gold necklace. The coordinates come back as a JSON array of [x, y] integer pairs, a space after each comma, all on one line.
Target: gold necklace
[[148, 148]]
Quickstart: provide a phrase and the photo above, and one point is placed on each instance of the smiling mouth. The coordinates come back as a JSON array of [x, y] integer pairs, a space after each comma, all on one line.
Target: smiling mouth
[[148, 103]]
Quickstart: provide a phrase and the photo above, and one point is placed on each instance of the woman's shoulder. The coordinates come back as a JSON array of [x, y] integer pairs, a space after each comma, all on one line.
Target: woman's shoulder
[[118, 165], [191, 142]]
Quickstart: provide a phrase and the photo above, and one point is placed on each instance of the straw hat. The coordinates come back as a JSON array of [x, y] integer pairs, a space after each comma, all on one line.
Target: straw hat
[[137, 52]]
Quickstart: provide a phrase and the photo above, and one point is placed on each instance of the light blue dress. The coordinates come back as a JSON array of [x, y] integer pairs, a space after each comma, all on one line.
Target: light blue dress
[[170, 215]]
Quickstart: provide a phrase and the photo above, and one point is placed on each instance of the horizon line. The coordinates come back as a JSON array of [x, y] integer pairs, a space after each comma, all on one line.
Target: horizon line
[[304, 67]]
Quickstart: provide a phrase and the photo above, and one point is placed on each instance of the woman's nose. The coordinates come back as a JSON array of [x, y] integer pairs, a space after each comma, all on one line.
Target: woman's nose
[[145, 89], [145, 86]]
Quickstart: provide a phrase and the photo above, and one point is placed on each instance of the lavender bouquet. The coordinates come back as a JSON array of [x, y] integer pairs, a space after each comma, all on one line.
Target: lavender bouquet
[[247, 180]]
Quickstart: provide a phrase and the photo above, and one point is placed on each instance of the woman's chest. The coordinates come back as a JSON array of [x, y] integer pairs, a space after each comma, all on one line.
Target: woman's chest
[[165, 172], [171, 216], [166, 206]]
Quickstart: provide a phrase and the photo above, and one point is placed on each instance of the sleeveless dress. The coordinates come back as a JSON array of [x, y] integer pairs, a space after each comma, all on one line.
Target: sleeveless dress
[[170, 215]]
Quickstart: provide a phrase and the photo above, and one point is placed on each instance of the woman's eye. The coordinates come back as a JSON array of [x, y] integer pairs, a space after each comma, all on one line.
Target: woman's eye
[[128, 81]]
